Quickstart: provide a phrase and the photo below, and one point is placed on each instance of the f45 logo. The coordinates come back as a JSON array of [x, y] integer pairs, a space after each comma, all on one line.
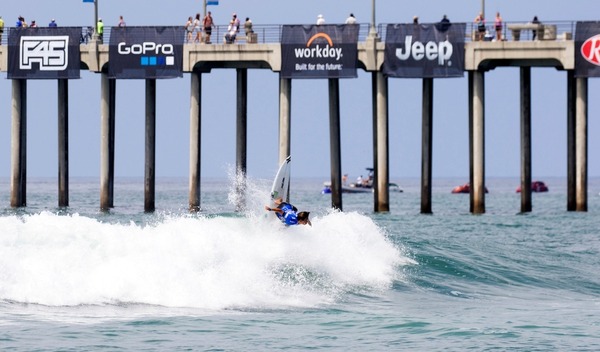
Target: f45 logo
[[50, 52]]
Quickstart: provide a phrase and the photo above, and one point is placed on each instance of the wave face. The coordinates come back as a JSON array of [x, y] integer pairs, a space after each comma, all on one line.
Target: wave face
[[214, 262]]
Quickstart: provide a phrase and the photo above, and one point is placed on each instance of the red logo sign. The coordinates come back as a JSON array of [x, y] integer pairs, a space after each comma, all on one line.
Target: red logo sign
[[590, 50]]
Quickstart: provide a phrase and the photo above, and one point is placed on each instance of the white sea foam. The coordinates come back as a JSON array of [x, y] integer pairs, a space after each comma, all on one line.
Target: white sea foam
[[214, 262]]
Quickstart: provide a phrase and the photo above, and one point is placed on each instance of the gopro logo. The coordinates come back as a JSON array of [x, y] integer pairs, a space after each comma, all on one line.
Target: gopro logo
[[49, 52]]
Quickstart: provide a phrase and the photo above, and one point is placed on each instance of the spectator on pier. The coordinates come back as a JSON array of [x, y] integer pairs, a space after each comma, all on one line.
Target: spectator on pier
[[52, 24], [1, 29], [444, 24], [21, 23], [189, 29], [498, 26], [535, 21], [100, 29], [33, 24], [121, 22], [248, 26], [415, 19], [351, 19], [197, 29], [208, 24], [480, 23], [320, 20]]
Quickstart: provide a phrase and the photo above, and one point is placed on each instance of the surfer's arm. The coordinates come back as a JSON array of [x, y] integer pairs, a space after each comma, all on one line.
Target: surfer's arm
[[277, 210]]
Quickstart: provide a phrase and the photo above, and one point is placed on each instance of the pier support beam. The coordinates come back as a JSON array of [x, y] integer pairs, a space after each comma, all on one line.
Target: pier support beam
[[525, 139], [478, 145], [241, 137], [63, 142], [195, 137], [150, 165], [285, 118], [426, 146], [581, 143], [18, 181], [381, 143], [571, 151], [335, 143], [107, 141]]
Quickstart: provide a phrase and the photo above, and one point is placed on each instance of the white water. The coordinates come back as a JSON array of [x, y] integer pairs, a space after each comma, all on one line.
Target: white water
[[203, 262]]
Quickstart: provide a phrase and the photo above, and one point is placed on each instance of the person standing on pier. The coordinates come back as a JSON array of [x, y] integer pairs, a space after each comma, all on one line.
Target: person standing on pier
[[208, 24], [121, 22], [480, 23], [100, 27], [320, 20], [498, 26], [351, 19], [197, 29], [1, 29]]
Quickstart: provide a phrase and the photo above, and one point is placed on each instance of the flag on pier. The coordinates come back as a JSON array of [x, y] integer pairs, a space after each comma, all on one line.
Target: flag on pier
[[325, 51], [146, 52], [212, 2], [424, 50], [44, 53], [587, 49]]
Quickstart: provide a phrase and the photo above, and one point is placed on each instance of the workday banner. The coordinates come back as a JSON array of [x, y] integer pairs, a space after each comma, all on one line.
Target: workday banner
[[325, 51], [145, 52], [587, 49], [424, 50], [43, 53]]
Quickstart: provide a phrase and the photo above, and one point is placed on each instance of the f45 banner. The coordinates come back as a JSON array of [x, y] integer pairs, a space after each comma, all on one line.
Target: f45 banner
[[324, 51], [146, 52], [587, 49], [424, 50], [43, 53]]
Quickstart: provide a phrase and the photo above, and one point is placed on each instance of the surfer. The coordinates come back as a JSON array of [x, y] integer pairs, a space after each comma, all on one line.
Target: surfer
[[289, 214]]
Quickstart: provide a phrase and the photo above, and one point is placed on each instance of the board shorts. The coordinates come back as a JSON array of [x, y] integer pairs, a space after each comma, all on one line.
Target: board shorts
[[208, 30]]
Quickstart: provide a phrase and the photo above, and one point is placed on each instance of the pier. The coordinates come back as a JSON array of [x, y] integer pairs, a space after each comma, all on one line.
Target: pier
[[264, 51]]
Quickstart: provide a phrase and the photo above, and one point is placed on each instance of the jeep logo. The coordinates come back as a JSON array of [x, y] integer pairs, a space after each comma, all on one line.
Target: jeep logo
[[590, 50], [430, 51], [50, 52]]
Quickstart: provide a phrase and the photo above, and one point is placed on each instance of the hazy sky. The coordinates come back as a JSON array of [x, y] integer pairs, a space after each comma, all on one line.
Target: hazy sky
[[310, 117]]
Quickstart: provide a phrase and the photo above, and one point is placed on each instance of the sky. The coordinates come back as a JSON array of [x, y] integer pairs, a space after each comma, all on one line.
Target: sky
[[310, 114]]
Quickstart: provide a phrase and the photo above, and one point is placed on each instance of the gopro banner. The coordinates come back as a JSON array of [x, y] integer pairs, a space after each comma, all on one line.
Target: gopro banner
[[424, 50], [146, 52], [325, 51], [43, 53], [587, 49]]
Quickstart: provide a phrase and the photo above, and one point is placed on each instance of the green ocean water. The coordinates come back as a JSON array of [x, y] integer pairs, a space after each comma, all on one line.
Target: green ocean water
[[78, 279]]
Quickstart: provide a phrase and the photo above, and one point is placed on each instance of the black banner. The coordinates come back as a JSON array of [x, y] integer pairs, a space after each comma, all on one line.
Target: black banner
[[324, 51], [587, 49], [425, 50], [43, 53], [146, 52]]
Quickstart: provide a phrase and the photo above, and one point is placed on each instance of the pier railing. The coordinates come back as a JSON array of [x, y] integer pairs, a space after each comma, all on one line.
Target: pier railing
[[271, 33]]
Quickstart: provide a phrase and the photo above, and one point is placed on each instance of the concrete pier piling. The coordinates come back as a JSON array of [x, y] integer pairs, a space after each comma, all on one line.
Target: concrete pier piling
[[18, 181], [150, 164], [335, 147], [63, 143], [195, 145], [525, 139], [427, 146]]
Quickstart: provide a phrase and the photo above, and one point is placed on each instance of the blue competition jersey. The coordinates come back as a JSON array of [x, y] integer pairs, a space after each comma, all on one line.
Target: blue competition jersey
[[289, 215]]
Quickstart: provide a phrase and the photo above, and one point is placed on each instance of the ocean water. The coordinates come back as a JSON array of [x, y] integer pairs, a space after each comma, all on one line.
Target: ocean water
[[79, 279]]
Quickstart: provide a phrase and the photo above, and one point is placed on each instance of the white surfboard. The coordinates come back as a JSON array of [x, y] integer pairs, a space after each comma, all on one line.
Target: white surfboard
[[281, 183]]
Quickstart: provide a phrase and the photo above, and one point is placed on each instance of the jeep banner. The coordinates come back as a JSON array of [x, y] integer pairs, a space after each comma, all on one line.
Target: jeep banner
[[424, 50], [325, 51], [146, 52], [587, 49], [43, 53]]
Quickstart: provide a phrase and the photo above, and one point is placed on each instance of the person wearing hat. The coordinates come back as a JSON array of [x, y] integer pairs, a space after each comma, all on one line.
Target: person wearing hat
[[288, 214], [320, 20], [52, 24], [100, 29], [1, 28]]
